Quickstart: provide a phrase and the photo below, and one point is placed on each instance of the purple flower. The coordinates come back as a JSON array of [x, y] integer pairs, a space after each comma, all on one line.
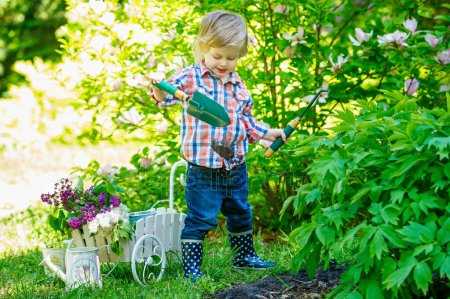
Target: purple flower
[[47, 198], [444, 57], [74, 222], [101, 199], [115, 201], [411, 86]]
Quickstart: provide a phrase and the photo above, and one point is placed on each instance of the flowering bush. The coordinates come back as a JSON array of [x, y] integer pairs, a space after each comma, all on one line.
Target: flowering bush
[[97, 208]]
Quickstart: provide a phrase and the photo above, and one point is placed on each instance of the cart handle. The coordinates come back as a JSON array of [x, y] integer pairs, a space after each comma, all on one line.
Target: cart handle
[[172, 180]]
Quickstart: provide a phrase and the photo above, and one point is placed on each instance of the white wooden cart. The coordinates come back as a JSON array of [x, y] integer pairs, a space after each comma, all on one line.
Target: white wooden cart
[[157, 232]]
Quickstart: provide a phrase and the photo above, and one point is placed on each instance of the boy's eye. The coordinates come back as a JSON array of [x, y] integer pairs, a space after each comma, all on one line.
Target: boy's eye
[[231, 58], [216, 57]]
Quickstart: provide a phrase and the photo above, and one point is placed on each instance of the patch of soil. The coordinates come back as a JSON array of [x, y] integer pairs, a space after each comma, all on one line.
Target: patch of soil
[[286, 286]]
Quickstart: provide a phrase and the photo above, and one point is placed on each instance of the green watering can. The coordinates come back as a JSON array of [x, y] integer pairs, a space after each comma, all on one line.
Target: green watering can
[[199, 105]]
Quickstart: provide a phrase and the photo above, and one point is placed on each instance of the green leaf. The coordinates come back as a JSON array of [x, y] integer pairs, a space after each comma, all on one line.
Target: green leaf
[[445, 267], [325, 234], [417, 233], [390, 213], [373, 290], [301, 235], [378, 245], [396, 279], [422, 276], [392, 236], [397, 195]]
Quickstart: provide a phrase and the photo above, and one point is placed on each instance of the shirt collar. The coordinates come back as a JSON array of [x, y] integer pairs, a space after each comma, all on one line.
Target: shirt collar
[[233, 77]]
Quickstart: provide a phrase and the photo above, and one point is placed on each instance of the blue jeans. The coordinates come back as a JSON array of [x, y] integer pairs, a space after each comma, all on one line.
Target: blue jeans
[[209, 191]]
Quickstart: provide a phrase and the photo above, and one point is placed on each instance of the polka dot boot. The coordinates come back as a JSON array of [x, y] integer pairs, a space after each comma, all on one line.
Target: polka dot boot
[[192, 252], [244, 252]]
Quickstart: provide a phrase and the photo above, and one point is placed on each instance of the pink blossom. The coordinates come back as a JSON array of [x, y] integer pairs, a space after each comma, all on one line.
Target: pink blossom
[[410, 25], [411, 86], [360, 37], [398, 38], [432, 40], [281, 9], [145, 162], [336, 66], [443, 57]]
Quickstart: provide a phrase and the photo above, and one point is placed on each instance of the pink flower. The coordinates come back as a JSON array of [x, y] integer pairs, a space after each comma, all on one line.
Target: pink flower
[[397, 38], [432, 40], [443, 57], [361, 37], [337, 66], [145, 162], [410, 25], [411, 86], [281, 9]]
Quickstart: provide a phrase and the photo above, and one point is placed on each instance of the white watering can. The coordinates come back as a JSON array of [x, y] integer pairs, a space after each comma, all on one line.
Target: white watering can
[[81, 266]]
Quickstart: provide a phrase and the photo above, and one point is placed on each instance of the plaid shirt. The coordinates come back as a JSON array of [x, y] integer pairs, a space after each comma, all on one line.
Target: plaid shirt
[[196, 135]]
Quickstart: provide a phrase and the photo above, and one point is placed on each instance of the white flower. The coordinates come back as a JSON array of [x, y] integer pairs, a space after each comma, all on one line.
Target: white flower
[[410, 25], [297, 37], [162, 126], [397, 37], [107, 169], [115, 215], [131, 116], [122, 31], [135, 81], [444, 88], [104, 220], [336, 67], [107, 18], [361, 37], [93, 226], [322, 97], [100, 42], [411, 86], [98, 6], [432, 40]]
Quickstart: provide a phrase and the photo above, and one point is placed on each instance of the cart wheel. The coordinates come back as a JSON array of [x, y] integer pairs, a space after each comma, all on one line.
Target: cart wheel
[[148, 259]]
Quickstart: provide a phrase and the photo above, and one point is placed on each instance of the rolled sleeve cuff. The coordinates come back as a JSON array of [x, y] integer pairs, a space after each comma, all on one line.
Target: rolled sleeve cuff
[[255, 131]]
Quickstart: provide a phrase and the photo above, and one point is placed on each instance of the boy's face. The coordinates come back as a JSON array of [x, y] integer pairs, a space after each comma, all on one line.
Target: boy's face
[[222, 61]]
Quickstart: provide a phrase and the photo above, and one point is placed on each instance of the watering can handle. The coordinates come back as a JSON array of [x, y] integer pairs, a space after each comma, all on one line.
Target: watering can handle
[[169, 88]]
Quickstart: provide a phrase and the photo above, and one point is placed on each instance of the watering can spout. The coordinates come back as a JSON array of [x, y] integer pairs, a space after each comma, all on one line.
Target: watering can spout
[[59, 271]]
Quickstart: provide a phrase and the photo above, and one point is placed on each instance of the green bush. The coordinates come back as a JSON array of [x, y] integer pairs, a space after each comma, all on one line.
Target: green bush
[[379, 190]]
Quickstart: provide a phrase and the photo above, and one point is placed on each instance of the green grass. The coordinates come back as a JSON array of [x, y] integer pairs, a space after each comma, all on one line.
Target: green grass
[[22, 276]]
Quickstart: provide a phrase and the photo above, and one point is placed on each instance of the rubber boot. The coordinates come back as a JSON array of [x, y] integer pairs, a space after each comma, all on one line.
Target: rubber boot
[[245, 256], [192, 253]]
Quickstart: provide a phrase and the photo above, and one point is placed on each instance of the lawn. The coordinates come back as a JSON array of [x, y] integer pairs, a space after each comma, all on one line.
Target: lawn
[[22, 275]]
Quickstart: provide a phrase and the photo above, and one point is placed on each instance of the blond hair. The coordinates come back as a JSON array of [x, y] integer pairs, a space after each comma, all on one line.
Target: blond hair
[[221, 29]]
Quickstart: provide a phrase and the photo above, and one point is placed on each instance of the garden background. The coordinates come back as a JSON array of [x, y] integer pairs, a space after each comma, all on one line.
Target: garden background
[[364, 182]]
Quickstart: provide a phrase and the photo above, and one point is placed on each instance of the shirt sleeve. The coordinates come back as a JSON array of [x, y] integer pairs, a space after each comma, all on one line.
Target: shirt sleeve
[[184, 81], [255, 131]]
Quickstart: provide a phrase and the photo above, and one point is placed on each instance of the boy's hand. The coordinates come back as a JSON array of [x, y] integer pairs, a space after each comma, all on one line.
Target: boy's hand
[[157, 94], [273, 134]]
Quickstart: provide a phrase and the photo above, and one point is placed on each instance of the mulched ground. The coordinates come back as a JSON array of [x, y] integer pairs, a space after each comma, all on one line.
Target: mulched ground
[[286, 286]]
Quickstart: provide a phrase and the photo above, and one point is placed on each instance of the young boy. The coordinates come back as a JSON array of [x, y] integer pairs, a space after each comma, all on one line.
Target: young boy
[[216, 182]]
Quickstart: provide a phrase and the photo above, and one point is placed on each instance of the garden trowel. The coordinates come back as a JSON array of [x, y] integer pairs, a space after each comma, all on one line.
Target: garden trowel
[[199, 105]]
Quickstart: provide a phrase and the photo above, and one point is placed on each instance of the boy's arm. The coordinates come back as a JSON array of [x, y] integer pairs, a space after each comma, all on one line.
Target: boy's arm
[[255, 131], [183, 81]]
